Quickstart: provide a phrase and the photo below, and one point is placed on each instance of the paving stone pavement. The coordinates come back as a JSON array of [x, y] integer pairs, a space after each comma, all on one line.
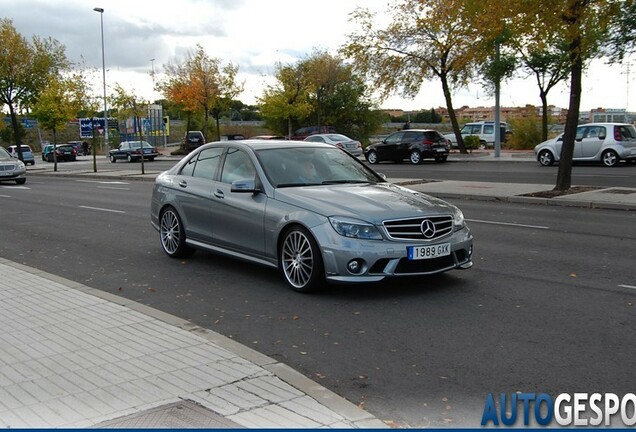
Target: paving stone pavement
[[73, 356]]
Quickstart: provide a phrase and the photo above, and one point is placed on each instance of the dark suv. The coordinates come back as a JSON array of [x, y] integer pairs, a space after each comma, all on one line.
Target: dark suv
[[412, 144], [194, 139]]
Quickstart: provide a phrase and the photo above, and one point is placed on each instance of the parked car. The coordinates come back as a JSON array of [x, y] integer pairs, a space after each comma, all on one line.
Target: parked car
[[341, 141], [267, 137], [484, 130], [304, 132], [311, 210], [608, 143], [132, 151], [63, 152], [27, 153], [81, 147], [193, 140], [11, 168], [412, 144]]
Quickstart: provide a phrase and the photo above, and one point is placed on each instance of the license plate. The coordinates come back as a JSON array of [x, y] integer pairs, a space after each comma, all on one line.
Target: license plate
[[428, 252], [439, 150]]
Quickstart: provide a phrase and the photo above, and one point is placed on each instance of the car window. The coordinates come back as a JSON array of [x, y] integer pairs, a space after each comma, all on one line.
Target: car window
[[626, 132], [432, 135], [4, 155], [395, 138], [208, 162], [580, 132], [489, 129], [314, 138], [237, 166], [188, 168], [595, 132], [411, 136], [123, 146]]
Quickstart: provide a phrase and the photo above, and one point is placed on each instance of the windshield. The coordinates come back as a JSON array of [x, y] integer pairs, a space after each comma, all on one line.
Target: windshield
[[303, 166], [135, 144], [4, 155]]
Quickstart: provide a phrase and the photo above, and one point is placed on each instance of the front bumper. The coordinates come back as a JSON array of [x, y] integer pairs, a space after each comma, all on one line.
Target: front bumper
[[379, 259]]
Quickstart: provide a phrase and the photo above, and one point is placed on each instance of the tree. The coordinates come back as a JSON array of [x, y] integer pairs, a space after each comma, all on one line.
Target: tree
[[25, 70], [287, 99], [201, 85], [426, 39], [60, 102], [321, 89], [582, 26], [130, 105]]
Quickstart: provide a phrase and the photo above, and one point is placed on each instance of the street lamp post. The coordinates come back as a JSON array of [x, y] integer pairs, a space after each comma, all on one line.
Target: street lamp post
[[101, 16]]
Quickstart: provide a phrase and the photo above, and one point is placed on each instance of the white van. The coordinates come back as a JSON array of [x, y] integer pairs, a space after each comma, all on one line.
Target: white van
[[485, 130]]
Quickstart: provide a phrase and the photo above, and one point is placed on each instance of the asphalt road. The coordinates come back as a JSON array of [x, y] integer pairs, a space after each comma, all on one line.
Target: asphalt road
[[548, 306], [496, 171]]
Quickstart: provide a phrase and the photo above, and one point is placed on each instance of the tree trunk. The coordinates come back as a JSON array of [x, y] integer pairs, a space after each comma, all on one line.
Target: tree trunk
[[451, 114], [16, 135], [544, 115], [573, 19]]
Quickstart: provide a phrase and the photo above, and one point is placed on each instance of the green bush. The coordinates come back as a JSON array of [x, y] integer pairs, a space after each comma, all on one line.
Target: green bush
[[526, 133], [471, 142]]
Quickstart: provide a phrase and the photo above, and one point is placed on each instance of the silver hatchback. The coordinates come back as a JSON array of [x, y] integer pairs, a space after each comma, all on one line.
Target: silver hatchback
[[608, 143], [311, 210]]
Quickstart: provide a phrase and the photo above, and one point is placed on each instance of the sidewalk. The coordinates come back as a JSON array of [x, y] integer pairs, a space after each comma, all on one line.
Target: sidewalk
[[75, 357]]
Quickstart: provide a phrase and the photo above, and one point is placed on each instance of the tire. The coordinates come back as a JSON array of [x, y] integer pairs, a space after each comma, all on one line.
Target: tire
[[172, 234], [300, 261], [545, 158], [482, 145], [49, 158], [151, 159], [610, 158], [129, 157], [20, 181], [113, 159], [415, 157], [441, 159], [372, 157]]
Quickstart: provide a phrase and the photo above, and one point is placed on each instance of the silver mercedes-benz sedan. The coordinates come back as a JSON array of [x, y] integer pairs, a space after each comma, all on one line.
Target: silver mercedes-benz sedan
[[309, 209]]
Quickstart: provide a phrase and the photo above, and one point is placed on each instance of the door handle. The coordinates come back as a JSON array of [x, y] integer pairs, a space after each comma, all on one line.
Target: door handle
[[183, 183], [219, 194]]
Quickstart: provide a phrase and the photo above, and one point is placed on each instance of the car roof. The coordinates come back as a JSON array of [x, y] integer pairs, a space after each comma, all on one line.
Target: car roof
[[267, 144]]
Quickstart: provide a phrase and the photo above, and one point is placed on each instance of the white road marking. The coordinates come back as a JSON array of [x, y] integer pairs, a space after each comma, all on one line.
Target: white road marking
[[111, 187], [628, 286], [508, 224], [102, 209], [5, 196], [102, 182]]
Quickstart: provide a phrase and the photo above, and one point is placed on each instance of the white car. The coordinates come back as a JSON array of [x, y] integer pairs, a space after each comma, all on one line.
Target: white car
[[341, 141], [608, 143]]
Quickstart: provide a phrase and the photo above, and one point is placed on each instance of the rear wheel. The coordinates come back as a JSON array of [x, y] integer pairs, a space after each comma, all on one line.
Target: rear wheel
[[172, 234], [441, 158], [300, 260], [415, 157], [610, 158], [372, 157], [129, 157], [20, 181], [545, 158]]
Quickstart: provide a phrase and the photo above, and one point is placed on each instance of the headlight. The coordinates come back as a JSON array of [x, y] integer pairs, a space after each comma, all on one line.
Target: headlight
[[355, 228], [458, 218]]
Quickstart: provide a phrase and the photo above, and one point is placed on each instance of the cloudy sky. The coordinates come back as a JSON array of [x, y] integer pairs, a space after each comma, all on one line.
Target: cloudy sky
[[255, 35]]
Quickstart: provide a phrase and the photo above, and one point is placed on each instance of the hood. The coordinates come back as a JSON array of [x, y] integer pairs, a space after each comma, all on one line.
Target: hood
[[370, 202]]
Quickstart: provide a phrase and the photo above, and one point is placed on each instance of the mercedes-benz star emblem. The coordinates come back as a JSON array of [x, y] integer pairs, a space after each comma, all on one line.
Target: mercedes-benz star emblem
[[428, 228]]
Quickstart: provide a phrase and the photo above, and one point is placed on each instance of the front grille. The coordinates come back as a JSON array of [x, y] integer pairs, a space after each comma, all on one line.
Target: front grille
[[7, 167], [411, 229], [433, 265]]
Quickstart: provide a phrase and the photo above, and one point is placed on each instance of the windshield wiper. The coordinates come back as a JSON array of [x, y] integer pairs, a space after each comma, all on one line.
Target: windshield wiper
[[285, 185]]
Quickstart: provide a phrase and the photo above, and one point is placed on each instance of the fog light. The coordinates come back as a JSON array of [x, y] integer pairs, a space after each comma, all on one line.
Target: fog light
[[355, 266]]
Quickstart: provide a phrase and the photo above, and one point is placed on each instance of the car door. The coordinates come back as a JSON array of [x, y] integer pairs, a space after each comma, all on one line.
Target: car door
[[238, 216], [581, 131], [194, 188], [592, 141], [389, 148]]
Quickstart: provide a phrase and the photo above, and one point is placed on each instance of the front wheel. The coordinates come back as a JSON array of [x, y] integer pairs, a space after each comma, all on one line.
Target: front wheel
[[415, 157], [300, 260], [372, 157], [20, 181], [129, 157], [172, 234], [113, 159], [545, 158], [609, 158]]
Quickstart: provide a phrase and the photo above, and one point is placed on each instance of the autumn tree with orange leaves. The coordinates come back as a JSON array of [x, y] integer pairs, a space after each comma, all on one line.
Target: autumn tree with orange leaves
[[201, 85]]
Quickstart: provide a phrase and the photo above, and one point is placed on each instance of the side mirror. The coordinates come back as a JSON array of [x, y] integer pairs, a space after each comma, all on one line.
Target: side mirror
[[244, 186]]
